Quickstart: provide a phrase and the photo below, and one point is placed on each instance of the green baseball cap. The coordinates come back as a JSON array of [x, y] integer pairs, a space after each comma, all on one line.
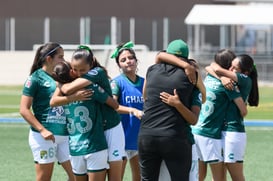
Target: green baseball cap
[[179, 48]]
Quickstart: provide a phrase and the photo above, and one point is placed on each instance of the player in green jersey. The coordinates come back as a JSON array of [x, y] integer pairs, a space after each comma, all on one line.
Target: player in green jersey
[[89, 71], [48, 136], [87, 141], [242, 76], [208, 129]]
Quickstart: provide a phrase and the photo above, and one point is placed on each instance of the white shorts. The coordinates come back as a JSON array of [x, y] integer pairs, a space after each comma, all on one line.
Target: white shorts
[[131, 153], [45, 151], [209, 150], [164, 174], [116, 143], [92, 162], [194, 165], [234, 145]]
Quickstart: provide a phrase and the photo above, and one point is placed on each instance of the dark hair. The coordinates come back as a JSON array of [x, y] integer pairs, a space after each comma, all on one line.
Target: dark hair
[[61, 72], [87, 55], [247, 66], [48, 49], [224, 58], [123, 49]]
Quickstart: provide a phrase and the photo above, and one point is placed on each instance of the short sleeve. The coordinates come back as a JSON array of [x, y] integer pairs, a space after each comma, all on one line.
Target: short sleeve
[[30, 87], [99, 93], [114, 87], [196, 98]]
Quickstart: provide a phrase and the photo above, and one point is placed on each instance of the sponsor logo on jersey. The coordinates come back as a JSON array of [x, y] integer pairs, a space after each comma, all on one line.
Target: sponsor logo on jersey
[[28, 82], [43, 154], [244, 75], [231, 156], [115, 153], [47, 84], [59, 110], [93, 72], [113, 85]]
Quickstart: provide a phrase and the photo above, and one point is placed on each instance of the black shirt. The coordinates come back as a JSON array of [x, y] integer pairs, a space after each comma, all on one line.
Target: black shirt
[[160, 119]]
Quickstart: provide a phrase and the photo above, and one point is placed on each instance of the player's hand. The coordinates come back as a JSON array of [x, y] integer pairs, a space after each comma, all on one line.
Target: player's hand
[[169, 99], [82, 95], [47, 135], [227, 83], [137, 113]]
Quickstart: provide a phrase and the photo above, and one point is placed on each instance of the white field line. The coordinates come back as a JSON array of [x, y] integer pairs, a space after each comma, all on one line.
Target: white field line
[[9, 106], [10, 115], [268, 128], [16, 125], [10, 92]]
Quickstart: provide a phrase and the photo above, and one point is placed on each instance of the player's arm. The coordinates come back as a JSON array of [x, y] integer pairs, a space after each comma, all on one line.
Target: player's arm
[[212, 72], [226, 81], [59, 99], [223, 72], [241, 106], [200, 85], [238, 100], [75, 85], [110, 101], [103, 97], [191, 116], [190, 70], [124, 109], [174, 60], [26, 113], [144, 91], [128, 110]]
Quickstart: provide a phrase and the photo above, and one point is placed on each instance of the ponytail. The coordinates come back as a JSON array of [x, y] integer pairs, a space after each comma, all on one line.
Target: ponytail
[[248, 67], [253, 98], [48, 49]]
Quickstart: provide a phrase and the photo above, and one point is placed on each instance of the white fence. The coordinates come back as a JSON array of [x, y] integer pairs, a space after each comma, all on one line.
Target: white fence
[[16, 65]]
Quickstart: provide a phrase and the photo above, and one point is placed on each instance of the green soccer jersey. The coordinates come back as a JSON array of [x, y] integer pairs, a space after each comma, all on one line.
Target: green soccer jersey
[[41, 86], [98, 76], [213, 111], [86, 134], [234, 121]]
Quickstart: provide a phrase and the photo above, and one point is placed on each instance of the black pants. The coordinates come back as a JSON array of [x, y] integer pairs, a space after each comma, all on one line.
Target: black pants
[[176, 152]]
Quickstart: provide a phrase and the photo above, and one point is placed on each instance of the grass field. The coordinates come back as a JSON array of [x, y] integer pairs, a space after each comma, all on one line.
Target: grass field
[[10, 100], [17, 159]]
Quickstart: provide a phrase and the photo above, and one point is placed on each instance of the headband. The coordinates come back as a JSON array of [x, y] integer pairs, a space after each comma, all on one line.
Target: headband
[[83, 47], [254, 67], [51, 51], [127, 45]]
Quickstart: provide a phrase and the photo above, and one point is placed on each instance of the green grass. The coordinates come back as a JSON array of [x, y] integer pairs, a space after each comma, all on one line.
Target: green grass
[[10, 100], [17, 161], [264, 110], [16, 156], [258, 151]]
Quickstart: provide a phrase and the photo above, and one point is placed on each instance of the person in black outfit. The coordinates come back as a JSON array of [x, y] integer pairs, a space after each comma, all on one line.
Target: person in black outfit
[[163, 133]]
